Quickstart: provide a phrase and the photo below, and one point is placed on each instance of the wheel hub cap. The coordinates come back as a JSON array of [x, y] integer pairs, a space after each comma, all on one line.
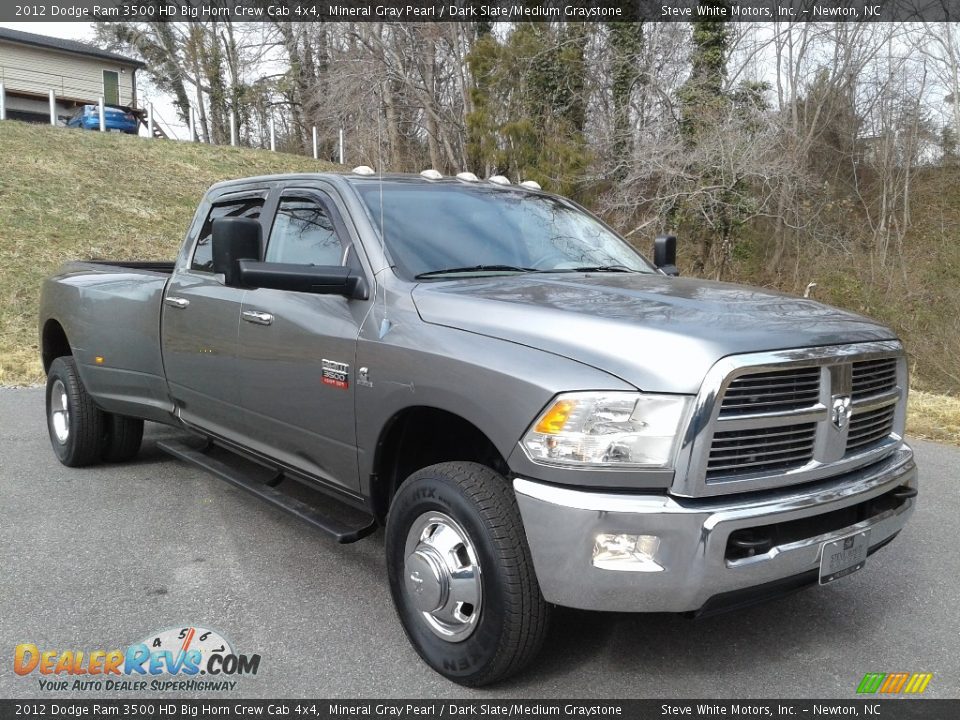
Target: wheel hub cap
[[60, 412], [442, 576], [427, 583]]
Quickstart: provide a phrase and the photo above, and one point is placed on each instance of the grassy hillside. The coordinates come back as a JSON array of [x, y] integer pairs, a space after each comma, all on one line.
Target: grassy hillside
[[67, 195]]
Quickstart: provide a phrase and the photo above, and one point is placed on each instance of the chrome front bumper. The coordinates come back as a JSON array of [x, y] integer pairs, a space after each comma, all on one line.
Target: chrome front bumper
[[561, 525]]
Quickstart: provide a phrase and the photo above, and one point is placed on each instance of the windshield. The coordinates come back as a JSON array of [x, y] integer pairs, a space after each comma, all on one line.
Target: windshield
[[444, 230]]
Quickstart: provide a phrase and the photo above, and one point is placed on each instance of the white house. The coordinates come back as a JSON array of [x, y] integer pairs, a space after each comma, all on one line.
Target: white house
[[79, 74]]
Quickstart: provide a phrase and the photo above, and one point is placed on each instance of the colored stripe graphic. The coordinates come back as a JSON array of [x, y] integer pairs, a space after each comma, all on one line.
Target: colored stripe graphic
[[918, 683], [871, 683], [893, 683], [899, 682]]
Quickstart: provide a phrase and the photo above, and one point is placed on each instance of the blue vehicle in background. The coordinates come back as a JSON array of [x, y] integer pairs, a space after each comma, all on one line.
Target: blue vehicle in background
[[116, 119]]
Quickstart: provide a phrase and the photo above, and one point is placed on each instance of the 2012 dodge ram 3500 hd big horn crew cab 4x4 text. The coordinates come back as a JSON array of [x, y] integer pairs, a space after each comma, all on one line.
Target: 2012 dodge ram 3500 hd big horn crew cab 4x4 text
[[537, 414]]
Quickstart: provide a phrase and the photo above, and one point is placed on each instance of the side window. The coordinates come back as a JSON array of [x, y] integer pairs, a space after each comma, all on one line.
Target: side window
[[203, 252], [303, 234]]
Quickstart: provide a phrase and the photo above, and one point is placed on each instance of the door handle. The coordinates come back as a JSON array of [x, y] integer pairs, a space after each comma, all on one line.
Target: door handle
[[177, 302], [257, 317]]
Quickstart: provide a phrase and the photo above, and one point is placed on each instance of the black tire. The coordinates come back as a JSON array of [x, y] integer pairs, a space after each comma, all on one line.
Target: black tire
[[513, 615], [121, 438], [82, 443]]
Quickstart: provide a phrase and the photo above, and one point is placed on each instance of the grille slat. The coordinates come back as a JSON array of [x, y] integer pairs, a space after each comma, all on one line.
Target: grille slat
[[737, 452], [874, 377], [763, 456], [772, 391], [870, 428], [866, 426], [781, 463], [719, 450]]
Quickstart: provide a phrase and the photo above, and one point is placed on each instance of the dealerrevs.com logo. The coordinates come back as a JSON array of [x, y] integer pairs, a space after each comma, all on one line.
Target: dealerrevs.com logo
[[185, 658]]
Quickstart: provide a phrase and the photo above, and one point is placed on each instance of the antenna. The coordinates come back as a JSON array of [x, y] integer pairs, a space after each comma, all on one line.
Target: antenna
[[385, 323]]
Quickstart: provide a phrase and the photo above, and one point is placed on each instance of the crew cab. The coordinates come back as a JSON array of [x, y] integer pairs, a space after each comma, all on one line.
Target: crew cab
[[536, 414]]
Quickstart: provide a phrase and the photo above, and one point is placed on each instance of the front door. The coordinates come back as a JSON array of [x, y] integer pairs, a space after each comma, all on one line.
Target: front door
[[111, 88], [199, 332], [297, 350]]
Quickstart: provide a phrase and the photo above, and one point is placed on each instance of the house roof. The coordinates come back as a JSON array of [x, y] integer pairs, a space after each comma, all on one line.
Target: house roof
[[69, 46]]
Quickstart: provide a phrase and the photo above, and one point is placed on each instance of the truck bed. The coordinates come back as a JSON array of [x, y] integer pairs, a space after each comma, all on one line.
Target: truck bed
[[110, 310]]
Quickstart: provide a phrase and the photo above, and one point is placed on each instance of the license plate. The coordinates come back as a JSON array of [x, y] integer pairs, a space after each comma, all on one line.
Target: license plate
[[839, 558]]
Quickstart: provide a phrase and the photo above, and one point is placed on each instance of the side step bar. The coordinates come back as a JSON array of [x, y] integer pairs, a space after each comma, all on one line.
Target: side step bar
[[339, 531]]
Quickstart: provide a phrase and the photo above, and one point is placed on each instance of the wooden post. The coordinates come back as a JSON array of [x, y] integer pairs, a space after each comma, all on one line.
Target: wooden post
[[193, 125], [150, 119], [233, 128], [315, 142], [3, 102], [53, 108], [273, 135], [103, 117], [341, 146]]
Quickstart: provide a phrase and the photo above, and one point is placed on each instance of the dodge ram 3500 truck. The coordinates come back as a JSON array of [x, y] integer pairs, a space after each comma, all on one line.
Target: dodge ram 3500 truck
[[536, 414]]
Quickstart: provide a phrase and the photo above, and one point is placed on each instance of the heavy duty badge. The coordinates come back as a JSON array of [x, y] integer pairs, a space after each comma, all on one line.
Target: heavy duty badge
[[336, 374]]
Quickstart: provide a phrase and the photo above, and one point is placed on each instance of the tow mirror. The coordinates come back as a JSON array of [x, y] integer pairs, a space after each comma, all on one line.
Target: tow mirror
[[317, 279], [234, 239], [665, 254]]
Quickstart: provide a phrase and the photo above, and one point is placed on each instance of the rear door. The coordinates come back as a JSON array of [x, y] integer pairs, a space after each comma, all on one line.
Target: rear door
[[297, 350], [199, 325]]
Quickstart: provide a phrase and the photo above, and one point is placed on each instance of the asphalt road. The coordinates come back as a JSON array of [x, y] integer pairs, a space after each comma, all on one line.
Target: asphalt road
[[102, 557]]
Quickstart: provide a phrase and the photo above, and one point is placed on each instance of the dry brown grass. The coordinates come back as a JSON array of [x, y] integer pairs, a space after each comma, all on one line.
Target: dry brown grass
[[934, 417], [67, 195]]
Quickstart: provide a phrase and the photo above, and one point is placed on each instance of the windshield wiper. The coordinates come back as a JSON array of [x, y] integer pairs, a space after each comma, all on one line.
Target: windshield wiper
[[601, 268], [475, 268]]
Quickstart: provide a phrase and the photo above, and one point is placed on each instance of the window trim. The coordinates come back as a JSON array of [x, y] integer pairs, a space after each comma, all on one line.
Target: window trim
[[213, 202], [325, 201]]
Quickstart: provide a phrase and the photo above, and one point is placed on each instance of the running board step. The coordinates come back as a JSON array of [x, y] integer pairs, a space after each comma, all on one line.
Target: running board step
[[338, 530]]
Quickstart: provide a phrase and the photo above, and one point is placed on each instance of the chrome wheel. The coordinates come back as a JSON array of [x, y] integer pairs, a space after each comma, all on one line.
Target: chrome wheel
[[60, 412], [442, 576]]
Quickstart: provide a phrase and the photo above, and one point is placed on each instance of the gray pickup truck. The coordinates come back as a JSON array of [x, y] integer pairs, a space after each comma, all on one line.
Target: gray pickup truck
[[536, 414]]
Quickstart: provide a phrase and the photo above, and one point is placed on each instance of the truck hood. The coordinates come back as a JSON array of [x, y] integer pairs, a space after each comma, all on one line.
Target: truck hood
[[657, 333]]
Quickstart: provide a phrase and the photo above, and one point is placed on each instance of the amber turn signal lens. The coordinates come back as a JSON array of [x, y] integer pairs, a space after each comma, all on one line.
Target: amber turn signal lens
[[555, 418]]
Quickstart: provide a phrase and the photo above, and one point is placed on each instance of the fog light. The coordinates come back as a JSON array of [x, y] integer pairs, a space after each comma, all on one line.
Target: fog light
[[626, 552]]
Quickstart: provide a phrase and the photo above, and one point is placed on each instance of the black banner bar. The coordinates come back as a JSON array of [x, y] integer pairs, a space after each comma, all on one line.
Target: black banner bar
[[482, 10], [174, 709]]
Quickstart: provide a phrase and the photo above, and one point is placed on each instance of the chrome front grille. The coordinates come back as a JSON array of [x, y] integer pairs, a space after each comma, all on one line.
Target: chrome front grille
[[760, 449], [770, 420], [874, 377], [870, 427], [780, 390]]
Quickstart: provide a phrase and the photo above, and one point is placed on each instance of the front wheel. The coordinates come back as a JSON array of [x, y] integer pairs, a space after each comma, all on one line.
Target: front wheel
[[75, 423], [461, 575]]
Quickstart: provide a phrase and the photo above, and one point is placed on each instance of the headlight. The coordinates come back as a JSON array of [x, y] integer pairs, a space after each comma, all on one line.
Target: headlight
[[608, 429]]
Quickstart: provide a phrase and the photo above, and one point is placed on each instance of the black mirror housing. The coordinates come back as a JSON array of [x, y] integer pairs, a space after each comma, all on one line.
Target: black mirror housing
[[234, 239], [665, 254], [317, 279]]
